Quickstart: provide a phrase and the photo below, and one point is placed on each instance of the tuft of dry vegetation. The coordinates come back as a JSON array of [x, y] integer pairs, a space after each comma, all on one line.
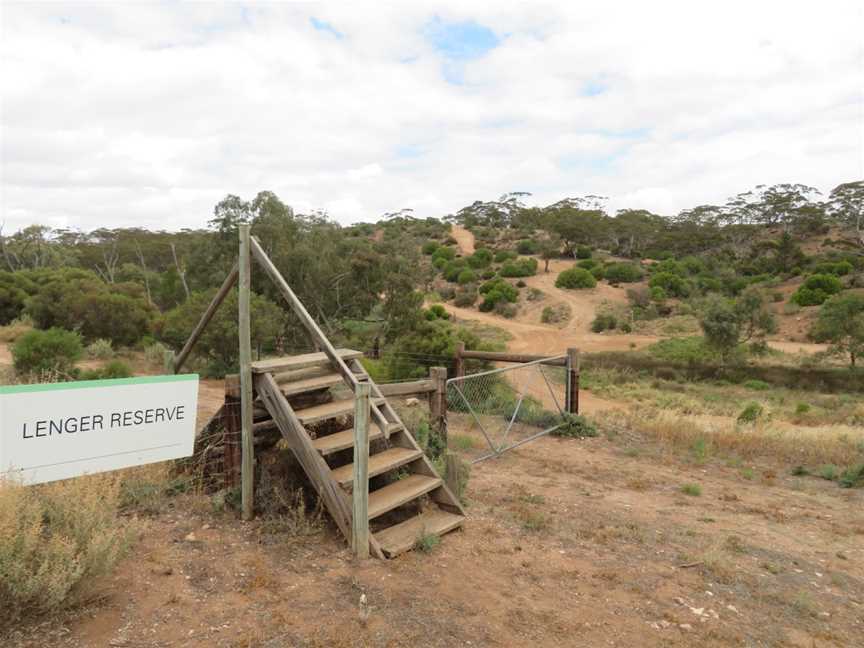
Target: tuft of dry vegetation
[[56, 540]]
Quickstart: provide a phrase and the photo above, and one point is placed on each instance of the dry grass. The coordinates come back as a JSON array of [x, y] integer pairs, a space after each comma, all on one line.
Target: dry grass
[[56, 539], [14, 330], [841, 445]]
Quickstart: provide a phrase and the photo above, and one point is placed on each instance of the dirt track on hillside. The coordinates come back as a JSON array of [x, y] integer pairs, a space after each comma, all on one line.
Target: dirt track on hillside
[[530, 335]]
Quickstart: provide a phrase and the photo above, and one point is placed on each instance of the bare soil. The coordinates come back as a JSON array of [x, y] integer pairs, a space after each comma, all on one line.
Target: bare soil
[[569, 543]]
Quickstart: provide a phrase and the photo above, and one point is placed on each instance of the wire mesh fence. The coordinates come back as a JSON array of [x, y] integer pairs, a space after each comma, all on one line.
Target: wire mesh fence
[[491, 412]]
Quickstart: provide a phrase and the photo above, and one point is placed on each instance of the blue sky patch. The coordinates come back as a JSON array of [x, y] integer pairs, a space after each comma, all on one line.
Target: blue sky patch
[[324, 26], [594, 87], [460, 41]]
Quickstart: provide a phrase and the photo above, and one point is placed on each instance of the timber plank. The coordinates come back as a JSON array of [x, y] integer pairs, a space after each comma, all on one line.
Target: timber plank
[[310, 384], [329, 410], [399, 493], [342, 440], [403, 536], [290, 363], [378, 463]]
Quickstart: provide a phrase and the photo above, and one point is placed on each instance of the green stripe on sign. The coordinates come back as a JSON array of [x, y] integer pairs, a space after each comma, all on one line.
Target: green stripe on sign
[[87, 384]]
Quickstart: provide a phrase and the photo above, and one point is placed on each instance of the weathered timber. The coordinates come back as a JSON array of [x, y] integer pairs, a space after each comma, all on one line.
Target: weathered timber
[[244, 327], [224, 289], [360, 490]]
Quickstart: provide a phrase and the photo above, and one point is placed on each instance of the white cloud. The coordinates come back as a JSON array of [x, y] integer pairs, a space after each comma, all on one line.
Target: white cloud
[[130, 114]]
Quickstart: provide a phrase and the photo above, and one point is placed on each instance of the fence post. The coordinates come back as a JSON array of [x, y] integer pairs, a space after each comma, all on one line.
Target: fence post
[[451, 472], [231, 441], [572, 396], [360, 496], [247, 473], [438, 402], [460, 361]]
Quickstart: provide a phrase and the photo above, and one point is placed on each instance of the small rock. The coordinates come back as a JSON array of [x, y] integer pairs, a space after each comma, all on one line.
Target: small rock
[[697, 611], [190, 537], [678, 600], [664, 623], [732, 608], [685, 626], [411, 402]]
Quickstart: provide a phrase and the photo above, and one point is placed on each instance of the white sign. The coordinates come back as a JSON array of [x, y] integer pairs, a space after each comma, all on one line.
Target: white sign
[[61, 430]]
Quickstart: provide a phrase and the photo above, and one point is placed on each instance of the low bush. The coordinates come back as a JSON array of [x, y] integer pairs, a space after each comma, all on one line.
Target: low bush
[[556, 314], [757, 385], [575, 426], [505, 309], [54, 350], [56, 541], [583, 252], [672, 284], [691, 350], [816, 289], [852, 477], [465, 298], [436, 312], [535, 294], [100, 349], [466, 277], [502, 256], [693, 490], [114, 369], [751, 413], [527, 246], [429, 247], [525, 267], [604, 322], [575, 278], [443, 252], [480, 259], [156, 353], [622, 273]]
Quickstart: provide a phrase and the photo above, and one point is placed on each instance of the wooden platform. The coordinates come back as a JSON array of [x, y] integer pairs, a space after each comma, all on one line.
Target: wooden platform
[[378, 464], [403, 536], [291, 363]]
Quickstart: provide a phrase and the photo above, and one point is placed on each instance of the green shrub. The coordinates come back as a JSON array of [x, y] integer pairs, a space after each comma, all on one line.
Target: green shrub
[[604, 322], [525, 267], [100, 349], [622, 273], [114, 369], [829, 472], [453, 269], [443, 252], [575, 426], [156, 353], [466, 276], [510, 292], [672, 284], [436, 312], [853, 477], [816, 289], [684, 349], [751, 413], [757, 385], [598, 272], [54, 350], [588, 264], [802, 408], [575, 278], [583, 252], [429, 247], [777, 297], [527, 246], [480, 259], [693, 490], [504, 255]]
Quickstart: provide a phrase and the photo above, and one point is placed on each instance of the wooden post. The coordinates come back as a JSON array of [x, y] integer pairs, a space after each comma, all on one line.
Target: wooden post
[[438, 402], [452, 466], [247, 473], [572, 396], [460, 361], [360, 509], [231, 440], [218, 298]]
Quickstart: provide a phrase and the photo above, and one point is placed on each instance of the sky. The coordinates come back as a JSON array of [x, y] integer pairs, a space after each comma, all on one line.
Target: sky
[[147, 114]]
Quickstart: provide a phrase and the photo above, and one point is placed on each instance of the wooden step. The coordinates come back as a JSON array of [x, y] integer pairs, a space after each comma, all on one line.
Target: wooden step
[[295, 387], [378, 463], [342, 440], [290, 363], [329, 410], [399, 493], [402, 537]]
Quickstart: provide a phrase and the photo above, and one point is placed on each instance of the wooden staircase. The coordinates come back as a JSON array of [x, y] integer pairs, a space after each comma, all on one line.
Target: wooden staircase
[[407, 498]]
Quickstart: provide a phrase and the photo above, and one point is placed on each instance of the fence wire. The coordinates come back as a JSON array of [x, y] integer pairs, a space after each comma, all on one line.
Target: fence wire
[[501, 409]]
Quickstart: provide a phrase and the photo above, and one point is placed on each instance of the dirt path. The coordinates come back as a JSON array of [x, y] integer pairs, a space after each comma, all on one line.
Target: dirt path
[[464, 239], [569, 543]]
